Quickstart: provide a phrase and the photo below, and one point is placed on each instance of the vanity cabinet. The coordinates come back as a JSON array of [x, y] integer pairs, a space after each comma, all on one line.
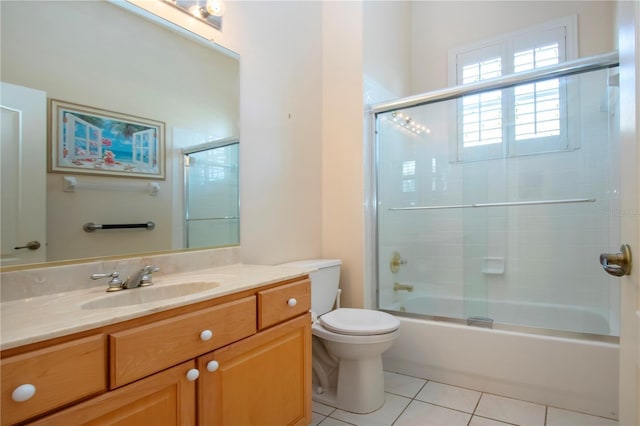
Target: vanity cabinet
[[264, 379], [243, 359]]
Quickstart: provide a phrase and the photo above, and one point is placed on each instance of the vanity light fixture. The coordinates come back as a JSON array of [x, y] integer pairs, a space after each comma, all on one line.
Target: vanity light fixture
[[209, 11]]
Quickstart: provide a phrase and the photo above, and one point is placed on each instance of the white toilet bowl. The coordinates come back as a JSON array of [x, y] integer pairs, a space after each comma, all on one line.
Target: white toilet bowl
[[349, 374], [347, 343]]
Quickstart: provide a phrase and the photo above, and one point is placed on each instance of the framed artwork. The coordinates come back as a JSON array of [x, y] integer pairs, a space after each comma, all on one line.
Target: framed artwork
[[89, 140]]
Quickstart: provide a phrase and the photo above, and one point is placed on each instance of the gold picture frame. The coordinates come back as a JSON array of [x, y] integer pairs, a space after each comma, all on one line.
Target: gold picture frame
[[94, 141]]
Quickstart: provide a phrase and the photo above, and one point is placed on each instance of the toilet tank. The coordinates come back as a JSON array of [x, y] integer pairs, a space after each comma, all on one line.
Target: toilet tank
[[324, 282]]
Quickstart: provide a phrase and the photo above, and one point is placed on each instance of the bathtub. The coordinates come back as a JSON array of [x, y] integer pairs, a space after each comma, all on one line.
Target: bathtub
[[571, 373], [544, 316]]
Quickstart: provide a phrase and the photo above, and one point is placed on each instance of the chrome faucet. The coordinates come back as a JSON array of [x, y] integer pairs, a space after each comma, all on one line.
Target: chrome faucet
[[140, 278], [115, 283]]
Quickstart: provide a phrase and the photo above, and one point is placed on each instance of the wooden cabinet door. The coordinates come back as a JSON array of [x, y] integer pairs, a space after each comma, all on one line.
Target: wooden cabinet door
[[262, 380], [166, 398]]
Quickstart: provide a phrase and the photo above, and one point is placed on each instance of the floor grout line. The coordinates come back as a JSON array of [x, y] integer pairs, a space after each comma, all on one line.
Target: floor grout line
[[546, 414], [471, 414]]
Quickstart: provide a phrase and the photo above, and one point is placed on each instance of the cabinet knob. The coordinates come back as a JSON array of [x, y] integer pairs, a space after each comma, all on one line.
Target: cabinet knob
[[212, 366], [193, 374], [206, 335], [292, 302], [23, 392]]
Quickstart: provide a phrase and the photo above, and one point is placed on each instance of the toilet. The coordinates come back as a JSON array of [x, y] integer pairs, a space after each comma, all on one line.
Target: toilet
[[347, 343]]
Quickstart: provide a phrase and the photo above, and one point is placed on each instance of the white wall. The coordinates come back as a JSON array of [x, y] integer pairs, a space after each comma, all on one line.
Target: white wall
[[342, 148], [386, 50], [280, 151], [95, 54], [280, 47], [387, 75], [440, 25]]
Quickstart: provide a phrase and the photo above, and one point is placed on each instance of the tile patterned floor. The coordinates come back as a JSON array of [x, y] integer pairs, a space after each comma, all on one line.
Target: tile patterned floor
[[417, 402]]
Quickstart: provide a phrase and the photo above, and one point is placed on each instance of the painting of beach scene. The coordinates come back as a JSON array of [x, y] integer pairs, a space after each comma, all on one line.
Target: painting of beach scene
[[94, 141]]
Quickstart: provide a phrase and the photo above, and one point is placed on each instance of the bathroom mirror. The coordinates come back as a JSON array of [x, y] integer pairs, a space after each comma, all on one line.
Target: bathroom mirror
[[97, 55]]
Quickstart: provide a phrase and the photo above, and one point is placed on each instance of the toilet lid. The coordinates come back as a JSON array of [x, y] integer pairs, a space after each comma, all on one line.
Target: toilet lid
[[359, 322]]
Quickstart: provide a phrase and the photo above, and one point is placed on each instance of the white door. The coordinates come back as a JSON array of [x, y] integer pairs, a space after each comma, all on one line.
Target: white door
[[629, 47], [23, 168]]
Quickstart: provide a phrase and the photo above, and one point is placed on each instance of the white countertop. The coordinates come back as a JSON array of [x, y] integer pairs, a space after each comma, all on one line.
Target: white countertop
[[40, 318]]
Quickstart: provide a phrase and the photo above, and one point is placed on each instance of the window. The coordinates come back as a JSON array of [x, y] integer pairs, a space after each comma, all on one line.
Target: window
[[526, 119], [482, 114], [537, 105], [409, 176], [86, 142], [144, 148]]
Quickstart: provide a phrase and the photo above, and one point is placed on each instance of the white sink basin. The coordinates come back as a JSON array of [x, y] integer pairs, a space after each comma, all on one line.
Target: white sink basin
[[138, 296]]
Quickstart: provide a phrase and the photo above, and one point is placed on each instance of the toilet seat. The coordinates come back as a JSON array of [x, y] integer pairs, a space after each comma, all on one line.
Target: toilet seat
[[319, 331], [359, 322]]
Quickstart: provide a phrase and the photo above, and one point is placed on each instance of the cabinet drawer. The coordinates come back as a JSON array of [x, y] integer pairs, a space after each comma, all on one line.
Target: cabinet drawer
[[60, 374], [144, 350], [274, 306]]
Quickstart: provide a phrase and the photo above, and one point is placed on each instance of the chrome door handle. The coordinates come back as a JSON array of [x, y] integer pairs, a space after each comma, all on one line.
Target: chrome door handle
[[617, 264], [31, 245]]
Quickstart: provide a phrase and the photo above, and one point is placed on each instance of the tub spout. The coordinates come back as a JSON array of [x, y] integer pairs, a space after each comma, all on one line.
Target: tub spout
[[398, 287]]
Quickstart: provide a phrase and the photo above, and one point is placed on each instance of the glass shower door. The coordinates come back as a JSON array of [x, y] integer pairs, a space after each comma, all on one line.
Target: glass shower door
[[507, 229], [212, 197]]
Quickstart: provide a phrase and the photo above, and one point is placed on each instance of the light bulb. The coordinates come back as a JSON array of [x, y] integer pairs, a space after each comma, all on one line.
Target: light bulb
[[196, 11], [215, 7]]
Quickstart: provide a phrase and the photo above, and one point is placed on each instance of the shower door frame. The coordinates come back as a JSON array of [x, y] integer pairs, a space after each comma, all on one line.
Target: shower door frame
[[219, 143], [564, 69]]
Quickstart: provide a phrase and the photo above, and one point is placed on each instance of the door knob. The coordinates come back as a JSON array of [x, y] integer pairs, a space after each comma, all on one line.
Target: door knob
[[617, 264], [31, 245]]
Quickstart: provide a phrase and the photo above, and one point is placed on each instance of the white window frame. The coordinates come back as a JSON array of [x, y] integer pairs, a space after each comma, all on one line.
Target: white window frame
[[82, 142], [144, 148], [507, 45]]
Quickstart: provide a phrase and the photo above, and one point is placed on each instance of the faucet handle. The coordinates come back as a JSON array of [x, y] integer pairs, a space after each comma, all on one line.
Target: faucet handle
[[115, 283], [146, 278]]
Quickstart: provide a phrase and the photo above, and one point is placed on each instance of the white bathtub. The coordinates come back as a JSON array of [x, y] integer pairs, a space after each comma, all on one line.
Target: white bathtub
[[545, 316], [567, 373]]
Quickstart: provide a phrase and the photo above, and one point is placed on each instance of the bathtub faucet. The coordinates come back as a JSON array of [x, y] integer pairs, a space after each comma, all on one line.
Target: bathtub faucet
[[398, 286]]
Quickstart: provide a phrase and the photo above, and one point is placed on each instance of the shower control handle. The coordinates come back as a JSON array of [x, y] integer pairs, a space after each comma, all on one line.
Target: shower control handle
[[617, 264], [396, 262]]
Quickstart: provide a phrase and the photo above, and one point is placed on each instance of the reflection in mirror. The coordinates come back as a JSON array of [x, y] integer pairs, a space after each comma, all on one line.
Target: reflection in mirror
[[97, 54], [210, 12], [211, 194]]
